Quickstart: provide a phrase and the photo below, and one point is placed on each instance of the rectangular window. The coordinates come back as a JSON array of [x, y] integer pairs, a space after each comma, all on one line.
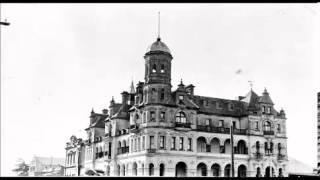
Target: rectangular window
[[278, 128], [151, 142], [135, 144], [162, 142], [189, 144], [162, 95], [205, 102], [269, 110], [219, 105], [221, 123], [231, 107], [181, 143], [162, 116], [173, 143], [181, 97], [263, 109], [143, 142], [152, 116], [207, 122], [139, 144], [257, 125]]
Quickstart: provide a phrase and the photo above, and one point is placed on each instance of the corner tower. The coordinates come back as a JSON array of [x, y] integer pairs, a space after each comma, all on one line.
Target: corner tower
[[157, 73]]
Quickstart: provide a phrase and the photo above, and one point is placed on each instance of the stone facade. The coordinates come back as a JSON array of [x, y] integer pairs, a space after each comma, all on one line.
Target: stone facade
[[157, 131]]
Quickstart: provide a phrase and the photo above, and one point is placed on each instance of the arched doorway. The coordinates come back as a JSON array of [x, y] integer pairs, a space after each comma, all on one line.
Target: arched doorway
[[181, 169], [108, 171], [202, 169], [269, 172], [280, 173], [258, 172], [227, 147], [242, 171], [227, 171], [123, 170], [215, 145], [215, 168], [201, 144], [161, 170], [151, 169], [134, 169]]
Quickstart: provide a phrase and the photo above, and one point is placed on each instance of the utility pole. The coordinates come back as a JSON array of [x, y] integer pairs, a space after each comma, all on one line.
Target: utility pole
[[232, 149]]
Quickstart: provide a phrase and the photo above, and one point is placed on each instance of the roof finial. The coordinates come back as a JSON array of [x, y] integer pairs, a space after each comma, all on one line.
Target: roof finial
[[251, 84], [158, 39]]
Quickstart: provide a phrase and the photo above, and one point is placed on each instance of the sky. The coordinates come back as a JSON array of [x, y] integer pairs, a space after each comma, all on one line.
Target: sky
[[58, 61]]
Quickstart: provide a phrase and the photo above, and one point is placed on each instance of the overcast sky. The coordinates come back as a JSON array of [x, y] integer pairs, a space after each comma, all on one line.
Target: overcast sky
[[60, 60]]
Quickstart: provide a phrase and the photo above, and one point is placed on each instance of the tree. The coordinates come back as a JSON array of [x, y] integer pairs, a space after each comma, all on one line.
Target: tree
[[21, 168]]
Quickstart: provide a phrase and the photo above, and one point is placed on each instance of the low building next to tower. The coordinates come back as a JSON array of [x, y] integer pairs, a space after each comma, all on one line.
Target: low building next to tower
[[157, 130]]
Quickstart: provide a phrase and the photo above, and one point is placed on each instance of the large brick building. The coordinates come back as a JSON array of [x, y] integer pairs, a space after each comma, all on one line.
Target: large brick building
[[157, 131]]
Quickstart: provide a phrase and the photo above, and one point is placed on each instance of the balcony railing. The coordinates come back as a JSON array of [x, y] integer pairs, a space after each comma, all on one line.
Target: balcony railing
[[184, 125], [268, 132], [258, 155], [223, 130], [151, 150], [134, 128], [123, 150]]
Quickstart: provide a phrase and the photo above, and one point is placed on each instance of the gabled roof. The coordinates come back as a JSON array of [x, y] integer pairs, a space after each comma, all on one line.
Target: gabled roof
[[251, 100], [122, 112], [211, 108]]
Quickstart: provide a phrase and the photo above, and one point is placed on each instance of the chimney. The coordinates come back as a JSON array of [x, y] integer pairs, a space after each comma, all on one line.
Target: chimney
[[190, 89], [125, 97], [105, 111], [111, 107]]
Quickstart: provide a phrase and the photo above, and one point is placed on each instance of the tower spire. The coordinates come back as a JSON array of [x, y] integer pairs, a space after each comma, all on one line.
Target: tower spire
[[158, 26]]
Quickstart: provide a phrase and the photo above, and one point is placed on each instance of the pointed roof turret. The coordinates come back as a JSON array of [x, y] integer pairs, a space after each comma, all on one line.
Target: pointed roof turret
[[265, 98], [132, 91]]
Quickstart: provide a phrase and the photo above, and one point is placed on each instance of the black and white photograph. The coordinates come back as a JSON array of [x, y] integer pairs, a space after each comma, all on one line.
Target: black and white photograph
[[160, 89]]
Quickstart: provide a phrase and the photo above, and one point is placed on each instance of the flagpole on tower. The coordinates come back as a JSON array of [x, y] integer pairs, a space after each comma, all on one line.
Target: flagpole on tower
[[159, 25]]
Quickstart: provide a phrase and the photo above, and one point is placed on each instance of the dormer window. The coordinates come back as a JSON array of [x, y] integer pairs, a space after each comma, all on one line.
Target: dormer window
[[205, 102], [231, 106], [162, 68], [152, 116], [219, 105], [268, 110], [154, 68], [221, 123], [162, 116], [278, 128], [263, 109], [162, 95]]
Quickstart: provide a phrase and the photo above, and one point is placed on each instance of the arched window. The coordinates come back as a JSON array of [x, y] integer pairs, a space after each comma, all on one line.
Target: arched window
[[154, 68], [267, 126], [181, 117], [118, 170], [151, 169], [162, 68], [201, 144], [279, 148], [161, 173], [271, 147], [241, 147]]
